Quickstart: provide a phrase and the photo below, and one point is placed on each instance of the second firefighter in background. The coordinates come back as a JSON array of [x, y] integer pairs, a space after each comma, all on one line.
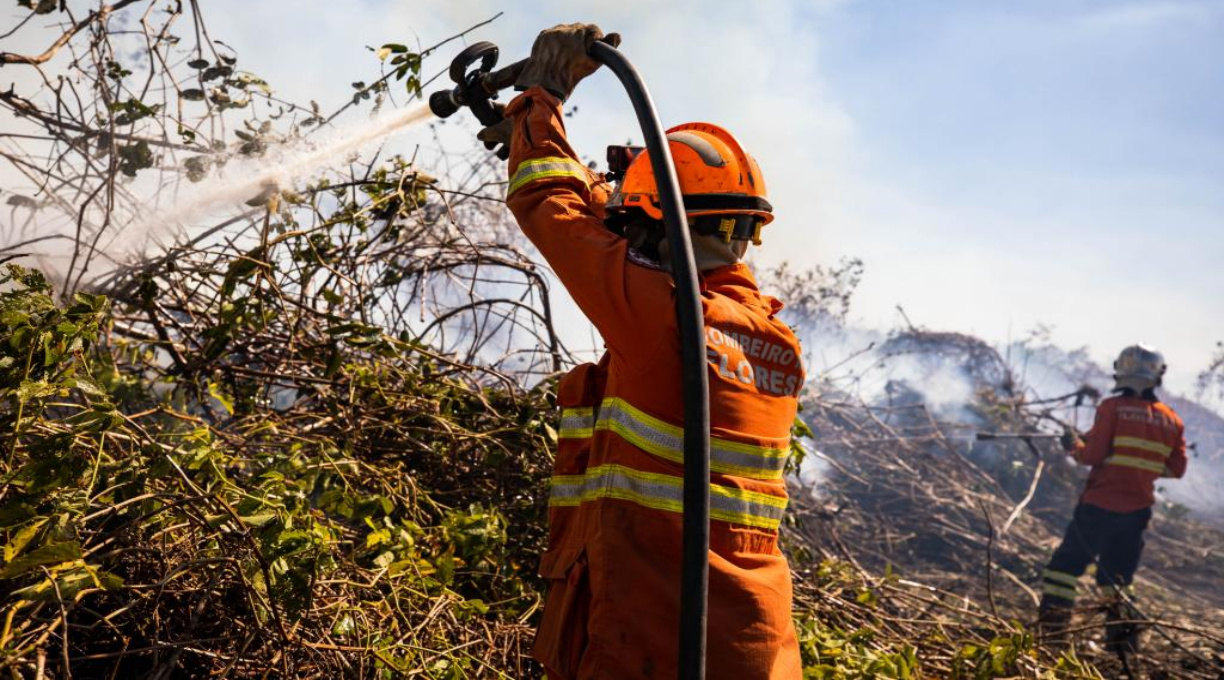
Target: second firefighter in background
[[1135, 440]]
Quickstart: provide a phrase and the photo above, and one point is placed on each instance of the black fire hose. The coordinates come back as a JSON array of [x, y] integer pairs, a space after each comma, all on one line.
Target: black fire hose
[[696, 544], [474, 89]]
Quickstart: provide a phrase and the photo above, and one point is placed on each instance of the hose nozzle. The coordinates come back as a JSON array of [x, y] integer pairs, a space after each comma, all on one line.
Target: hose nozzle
[[476, 88], [443, 103]]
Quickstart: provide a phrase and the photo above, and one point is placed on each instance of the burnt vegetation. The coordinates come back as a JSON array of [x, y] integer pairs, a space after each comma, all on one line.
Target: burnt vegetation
[[310, 436]]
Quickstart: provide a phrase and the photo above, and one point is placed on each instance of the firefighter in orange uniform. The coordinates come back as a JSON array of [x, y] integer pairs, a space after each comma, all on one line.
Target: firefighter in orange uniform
[[1134, 441], [614, 560]]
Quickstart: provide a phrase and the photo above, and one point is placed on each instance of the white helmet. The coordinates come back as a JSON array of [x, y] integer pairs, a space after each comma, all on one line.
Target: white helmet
[[1139, 367]]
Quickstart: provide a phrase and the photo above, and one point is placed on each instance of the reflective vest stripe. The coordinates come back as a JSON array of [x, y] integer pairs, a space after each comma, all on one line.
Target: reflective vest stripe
[[666, 441], [543, 168], [1135, 462], [1060, 577], [665, 492], [577, 423], [1144, 445], [1058, 591]]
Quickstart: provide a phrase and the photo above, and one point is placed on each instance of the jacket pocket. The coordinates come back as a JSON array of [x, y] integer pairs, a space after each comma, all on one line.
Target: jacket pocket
[[561, 638]]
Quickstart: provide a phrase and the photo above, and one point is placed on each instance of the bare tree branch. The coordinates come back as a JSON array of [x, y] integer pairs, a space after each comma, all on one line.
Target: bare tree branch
[[48, 54]]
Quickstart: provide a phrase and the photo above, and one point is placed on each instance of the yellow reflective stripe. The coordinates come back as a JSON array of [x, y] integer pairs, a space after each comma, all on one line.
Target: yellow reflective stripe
[[1058, 591], [1143, 444], [666, 441], [1135, 462], [577, 423], [1061, 577], [665, 492], [543, 168]]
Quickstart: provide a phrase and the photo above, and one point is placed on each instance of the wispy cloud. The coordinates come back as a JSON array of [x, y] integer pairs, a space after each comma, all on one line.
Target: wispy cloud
[[1148, 15]]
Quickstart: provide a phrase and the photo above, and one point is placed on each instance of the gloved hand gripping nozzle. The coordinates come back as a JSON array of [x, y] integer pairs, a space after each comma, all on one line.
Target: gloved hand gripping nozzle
[[559, 60], [476, 88]]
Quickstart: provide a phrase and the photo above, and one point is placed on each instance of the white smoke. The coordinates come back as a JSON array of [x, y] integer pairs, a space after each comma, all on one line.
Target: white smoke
[[855, 362], [281, 167], [152, 214]]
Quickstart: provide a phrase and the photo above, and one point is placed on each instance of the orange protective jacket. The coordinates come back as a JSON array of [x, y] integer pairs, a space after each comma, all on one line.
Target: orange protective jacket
[[1133, 442], [614, 559]]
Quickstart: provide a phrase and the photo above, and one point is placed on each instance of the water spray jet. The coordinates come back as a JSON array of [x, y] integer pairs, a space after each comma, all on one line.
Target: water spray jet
[[280, 168]]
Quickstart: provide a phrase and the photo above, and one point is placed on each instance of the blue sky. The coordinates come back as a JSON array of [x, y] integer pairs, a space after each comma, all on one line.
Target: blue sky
[[997, 164], [1054, 162]]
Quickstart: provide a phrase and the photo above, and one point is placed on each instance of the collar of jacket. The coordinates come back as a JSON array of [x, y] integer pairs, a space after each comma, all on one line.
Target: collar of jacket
[[737, 282], [1148, 395]]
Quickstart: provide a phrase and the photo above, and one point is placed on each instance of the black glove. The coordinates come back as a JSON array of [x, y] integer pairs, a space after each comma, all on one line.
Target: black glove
[[559, 58], [1070, 442], [497, 137]]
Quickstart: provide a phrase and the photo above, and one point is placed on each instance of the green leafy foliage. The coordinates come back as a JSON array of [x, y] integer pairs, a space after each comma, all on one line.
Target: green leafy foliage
[[405, 65], [132, 110], [114, 486], [997, 659], [135, 157], [801, 434], [849, 647], [830, 653]]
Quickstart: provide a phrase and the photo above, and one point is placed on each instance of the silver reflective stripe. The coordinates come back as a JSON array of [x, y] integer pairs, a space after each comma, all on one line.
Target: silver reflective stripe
[[542, 168], [665, 492], [577, 423], [666, 441], [744, 507], [566, 490]]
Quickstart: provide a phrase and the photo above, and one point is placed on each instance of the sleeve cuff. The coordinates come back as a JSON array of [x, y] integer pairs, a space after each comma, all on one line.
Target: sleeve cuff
[[533, 93]]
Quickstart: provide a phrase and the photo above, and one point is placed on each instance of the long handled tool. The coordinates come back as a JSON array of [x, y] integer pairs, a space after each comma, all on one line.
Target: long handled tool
[[1032, 489], [474, 88]]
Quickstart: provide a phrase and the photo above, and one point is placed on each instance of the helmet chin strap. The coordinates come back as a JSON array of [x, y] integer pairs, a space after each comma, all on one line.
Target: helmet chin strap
[[709, 251]]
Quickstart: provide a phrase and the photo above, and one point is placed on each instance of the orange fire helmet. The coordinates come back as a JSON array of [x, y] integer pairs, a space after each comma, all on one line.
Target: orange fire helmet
[[722, 186]]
